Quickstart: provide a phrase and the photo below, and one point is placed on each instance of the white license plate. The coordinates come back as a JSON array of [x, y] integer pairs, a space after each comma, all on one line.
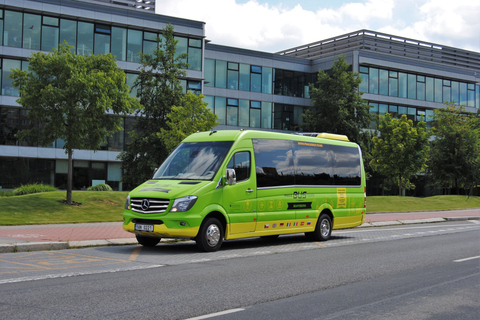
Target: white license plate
[[144, 227]]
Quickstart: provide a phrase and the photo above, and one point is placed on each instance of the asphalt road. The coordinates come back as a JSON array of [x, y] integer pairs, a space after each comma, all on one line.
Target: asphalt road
[[407, 272]]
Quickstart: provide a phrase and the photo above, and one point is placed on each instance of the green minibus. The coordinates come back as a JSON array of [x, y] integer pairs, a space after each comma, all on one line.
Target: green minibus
[[232, 184]]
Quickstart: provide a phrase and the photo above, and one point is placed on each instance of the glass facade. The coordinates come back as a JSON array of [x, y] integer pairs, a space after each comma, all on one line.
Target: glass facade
[[42, 32], [418, 87], [253, 78]]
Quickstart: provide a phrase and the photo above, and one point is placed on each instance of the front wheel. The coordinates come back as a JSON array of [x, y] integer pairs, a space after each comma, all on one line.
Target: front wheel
[[323, 229], [147, 241], [210, 236]]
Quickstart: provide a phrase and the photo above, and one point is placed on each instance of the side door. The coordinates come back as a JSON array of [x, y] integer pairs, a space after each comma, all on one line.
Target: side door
[[239, 200]]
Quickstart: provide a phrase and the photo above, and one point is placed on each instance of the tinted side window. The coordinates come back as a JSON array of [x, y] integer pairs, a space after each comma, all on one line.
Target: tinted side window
[[274, 162], [346, 166], [241, 163], [313, 164]]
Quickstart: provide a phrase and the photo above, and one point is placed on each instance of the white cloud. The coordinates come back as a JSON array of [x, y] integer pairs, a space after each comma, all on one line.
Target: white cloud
[[272, 27]]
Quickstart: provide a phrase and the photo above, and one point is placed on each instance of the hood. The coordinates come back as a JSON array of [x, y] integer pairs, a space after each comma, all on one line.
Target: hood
[[167, 189]]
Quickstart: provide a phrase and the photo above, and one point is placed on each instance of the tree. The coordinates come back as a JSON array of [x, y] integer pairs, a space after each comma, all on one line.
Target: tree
[[401, 150], [68, 97], [192, 116], [337, 105], [455, 152], [159, 90]]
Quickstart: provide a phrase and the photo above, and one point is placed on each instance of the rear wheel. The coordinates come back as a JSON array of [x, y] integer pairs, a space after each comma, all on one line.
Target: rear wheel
[[210, 236], [147, 241], [323, 229]]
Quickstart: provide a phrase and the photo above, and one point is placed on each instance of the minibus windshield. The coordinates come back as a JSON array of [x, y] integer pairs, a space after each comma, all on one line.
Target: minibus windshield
[[194, 161]]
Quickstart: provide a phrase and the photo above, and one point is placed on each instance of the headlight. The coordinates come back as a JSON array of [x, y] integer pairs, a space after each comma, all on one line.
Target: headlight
[[183, 204], [127, 203]]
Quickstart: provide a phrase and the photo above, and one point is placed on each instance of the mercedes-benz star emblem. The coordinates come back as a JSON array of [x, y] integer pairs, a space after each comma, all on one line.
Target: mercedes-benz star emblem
[[145, 204]]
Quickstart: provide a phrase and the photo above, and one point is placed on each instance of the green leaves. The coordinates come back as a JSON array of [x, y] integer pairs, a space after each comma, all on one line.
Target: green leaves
[[455, 153], [68, 97], [401, 150], [337, 105]]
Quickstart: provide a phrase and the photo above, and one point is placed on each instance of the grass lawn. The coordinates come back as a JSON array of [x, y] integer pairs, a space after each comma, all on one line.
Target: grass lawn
[[44, 208], [395, 203], [106, 206]]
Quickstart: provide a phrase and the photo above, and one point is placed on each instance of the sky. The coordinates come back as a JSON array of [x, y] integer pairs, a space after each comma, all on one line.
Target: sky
[[276, 25]]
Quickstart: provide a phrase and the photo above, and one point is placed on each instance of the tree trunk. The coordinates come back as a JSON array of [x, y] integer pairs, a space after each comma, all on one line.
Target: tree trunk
[[400, 186], [69, 176]]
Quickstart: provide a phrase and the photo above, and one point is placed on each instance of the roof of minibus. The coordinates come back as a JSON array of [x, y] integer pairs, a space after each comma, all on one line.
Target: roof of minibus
[[234, 135]]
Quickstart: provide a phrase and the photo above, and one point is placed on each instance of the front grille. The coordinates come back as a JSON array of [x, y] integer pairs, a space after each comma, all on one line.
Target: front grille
[[145, 205]]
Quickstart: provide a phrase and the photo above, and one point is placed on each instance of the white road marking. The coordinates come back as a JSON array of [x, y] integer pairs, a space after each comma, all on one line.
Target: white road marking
[[467, 259], [75, 274], [221, 313]]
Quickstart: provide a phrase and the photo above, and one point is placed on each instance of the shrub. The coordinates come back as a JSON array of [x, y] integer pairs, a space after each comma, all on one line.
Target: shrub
[[100, 187], [4, 193], [33, 188]]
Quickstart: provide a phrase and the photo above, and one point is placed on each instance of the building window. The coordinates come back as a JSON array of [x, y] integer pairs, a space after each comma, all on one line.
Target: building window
[[256, 79], [220, 74], [31, 31], [471, 95], [119, 43], [194, 87], [13, 25], [267, 80], [244, 77], [255, 110], [68, 32], [447, 91], [134, 45], [393, 84], [429, 89], [243, 112], [232, 76], [232, 112], [420, 88], [102, 39], [383, 82], [220, 109], [209, 73], [364, 75], [195, 54], [149, 42], [266, 115], [85, 38], [50, 33], [7, 87]]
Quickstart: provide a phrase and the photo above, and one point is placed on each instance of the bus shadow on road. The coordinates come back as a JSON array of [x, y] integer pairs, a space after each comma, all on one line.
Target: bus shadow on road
[[181, 247]]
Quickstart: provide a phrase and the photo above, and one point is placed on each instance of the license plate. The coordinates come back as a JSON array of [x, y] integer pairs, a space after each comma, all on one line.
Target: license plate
[[144, 227]]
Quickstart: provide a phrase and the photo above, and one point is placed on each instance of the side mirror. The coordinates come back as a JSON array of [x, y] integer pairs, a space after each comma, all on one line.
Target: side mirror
[[230, 176]]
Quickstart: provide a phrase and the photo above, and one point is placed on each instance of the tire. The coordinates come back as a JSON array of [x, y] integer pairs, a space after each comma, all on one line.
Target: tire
[[210, 236], [323, 229], [147, 241]]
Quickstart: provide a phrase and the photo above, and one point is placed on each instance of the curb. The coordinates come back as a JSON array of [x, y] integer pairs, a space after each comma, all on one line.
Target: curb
[[62, 245]]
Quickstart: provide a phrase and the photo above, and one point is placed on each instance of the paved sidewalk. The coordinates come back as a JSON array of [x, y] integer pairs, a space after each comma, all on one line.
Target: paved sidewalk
[[63, 236]]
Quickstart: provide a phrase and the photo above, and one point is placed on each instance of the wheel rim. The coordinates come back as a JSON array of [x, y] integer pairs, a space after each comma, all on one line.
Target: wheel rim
[[213, 235], [325, 227]]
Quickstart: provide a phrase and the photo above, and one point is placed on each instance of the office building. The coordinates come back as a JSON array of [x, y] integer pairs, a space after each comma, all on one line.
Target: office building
[[245, 88]]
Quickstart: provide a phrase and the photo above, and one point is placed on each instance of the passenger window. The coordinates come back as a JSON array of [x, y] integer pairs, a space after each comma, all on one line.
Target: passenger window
[[274, 162], [241, 163]]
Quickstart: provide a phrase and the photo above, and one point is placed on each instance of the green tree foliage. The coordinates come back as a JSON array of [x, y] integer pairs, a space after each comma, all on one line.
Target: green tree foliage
[[192, 116], [455, 152], [68, 97], [337, 105], [401, 150], [159, 91]]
